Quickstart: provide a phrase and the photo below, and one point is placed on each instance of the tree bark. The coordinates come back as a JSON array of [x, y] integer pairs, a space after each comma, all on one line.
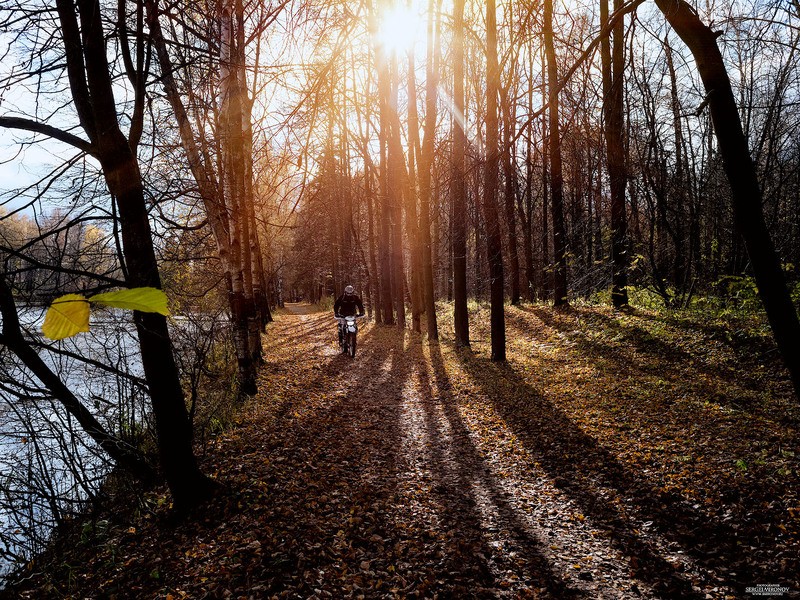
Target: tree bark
[[246, 203], [234, 190], [369, 198], [411, 187], [494, 245], [396, 192], [613, 79], [526, 210], [425, 170], [385, 217], [91, 85], [556, 175], [458, 188], [509, 168], [213, 193]]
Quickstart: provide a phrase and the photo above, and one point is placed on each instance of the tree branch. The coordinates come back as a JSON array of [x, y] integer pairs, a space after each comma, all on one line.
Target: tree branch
[[73, 49], [604, 33], [49, 131]]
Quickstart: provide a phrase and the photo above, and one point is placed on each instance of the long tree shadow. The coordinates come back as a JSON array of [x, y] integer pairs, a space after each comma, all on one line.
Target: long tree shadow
[[466, 484], [305, 490], [601, 486], [366, 493], [322, 354], [342, 484], [638, 352], [314, 325]]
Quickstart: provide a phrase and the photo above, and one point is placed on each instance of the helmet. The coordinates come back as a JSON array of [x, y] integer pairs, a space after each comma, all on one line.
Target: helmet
[[349, 290]]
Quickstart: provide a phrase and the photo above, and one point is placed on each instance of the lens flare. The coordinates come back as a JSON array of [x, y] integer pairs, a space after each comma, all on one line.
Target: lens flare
[[400, 28]]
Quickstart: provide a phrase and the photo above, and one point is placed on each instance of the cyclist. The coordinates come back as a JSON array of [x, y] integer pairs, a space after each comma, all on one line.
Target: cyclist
[[347, 305]]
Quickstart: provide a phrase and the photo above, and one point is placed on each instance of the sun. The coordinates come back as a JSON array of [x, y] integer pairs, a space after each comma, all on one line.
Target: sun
[[400, 27]]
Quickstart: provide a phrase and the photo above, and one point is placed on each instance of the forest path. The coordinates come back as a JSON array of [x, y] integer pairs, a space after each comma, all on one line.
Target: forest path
[[615, 456], [395, 473]]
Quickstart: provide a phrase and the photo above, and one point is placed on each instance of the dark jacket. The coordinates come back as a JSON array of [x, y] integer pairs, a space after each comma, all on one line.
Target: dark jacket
[[347, 306]]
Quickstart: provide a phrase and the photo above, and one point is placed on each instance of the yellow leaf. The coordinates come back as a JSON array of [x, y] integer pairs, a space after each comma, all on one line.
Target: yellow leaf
[[143, 299], [66, 316]]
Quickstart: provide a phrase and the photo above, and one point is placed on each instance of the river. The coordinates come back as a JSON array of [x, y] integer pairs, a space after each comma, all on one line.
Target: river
[[48, 466]]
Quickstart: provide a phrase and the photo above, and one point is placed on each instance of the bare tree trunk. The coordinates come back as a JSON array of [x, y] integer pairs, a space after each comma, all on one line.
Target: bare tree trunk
[[509, 168], [458, 190], [613, 79], [92, 91], [262, 314], [262, 298], [494, 245], [526, 217], [426, 166], [510, 199], [545, 282], [247, 213], [348, 254], [410, 186], [745, 190], [213, 194], [373, 281], [331, 193], [396, 188], [373, 263], [234, 189], [385, 254], [556, 176]]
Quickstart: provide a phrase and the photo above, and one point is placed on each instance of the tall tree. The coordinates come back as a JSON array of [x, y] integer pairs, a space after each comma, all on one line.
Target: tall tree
[[234, 186], [494, 245], [554, 158], [227, 195], [458, 190], [364, 128], [92, 90], [397, 191], [412, 187], [509, 106], [613, 110], [526, 205], [387, 288], [426, 165]]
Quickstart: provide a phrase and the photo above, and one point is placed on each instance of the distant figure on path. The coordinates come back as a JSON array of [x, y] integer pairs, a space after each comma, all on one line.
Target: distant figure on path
[[347, 305]]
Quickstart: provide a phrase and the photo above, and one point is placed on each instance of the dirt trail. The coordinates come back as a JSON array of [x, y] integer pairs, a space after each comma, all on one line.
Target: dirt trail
[[425, 471], [398, 475]]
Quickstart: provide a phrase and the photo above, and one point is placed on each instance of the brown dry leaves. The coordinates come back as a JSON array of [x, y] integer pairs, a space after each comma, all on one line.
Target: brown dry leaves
[[614, 456]]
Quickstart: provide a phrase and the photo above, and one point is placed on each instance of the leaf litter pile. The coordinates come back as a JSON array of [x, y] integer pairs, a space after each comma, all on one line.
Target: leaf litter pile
[[615, 455]]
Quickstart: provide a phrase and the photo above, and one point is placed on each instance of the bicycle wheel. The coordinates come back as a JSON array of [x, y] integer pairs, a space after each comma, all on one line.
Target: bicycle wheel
[[351, 343]]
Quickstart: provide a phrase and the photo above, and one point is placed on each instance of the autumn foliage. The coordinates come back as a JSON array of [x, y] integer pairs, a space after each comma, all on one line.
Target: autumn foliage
[[626, 455]]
